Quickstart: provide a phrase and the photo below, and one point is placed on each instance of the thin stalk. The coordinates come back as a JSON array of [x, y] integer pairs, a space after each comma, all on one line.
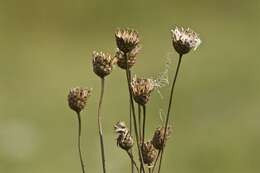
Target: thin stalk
[[100, 125], [133, 112], [169, 108], [79, 143], [140, 122], [132, 160], [130, 122], [150, 170], [144, 119], [156, 160]]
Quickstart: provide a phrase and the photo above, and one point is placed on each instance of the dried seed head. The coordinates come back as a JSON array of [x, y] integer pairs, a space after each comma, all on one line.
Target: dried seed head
[[149, 153], [158, 137], [131, 56], [184, 40], [142, 89], [126, 39], [77, 98], [124, 139], [102, 63]]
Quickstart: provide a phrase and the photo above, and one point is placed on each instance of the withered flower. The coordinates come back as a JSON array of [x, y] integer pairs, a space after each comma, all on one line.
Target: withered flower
[[149, 153], [126, 39], [158, 140], [103, 64], [131, 56], [77, 98], [124, 139], [184, 40], [142, 89]]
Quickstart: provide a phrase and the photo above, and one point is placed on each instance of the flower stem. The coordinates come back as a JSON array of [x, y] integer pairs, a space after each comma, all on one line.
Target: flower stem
[[130, 122], [139, 122], [169, 108], [133, 113], [132, 160], [100, 125], [157, 157], [144, 119], [79, 143]]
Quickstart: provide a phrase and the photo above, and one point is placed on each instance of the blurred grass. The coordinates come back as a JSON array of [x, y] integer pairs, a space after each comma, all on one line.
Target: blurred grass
[[45, 49]]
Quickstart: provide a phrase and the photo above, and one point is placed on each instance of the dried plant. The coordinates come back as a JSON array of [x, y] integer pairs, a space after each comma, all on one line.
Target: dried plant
[[77, 100], [150, 154], [102, 65]]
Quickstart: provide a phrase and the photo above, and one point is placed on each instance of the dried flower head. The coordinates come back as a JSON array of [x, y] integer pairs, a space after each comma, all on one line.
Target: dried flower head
[[142, 89], [184, 40], [102, 63], [77, 98], [131, 58], [124, 138], [126, 39], [149, 153], [158, 137]]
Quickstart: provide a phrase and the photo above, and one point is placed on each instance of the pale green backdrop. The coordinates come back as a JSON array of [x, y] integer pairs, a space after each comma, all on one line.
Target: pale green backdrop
[[45, 49]]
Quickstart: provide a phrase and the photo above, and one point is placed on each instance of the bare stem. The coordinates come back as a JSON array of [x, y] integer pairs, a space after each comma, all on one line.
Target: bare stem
[[132, 160], [156, 160], [144, 119], [79, 144], [139, 122], [133, 112], [169, 108], [100, 125]]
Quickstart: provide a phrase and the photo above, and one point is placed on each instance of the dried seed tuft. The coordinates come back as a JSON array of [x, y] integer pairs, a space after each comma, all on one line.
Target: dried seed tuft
[[103, 64], [184, 40], [124, 139], [126, 39], [158, 137], [131, 56], [149, 153], [142, 89], [77, 98]]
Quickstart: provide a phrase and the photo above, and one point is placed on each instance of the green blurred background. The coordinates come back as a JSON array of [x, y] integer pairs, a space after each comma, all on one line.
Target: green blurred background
[[45, 49]]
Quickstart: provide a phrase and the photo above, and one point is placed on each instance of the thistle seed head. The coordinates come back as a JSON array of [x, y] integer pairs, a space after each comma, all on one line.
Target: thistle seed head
[[149, 153], [103, 64], [131, 58], [126, 39], [77, 98], [142, 89], [158, 137], [184, 40], [124, 138]]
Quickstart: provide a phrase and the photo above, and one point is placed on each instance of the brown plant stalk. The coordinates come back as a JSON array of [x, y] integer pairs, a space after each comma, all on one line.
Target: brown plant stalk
[[133, 113], [169, 108]]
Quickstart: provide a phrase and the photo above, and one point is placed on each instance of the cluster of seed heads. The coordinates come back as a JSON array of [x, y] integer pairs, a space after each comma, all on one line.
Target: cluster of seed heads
[[128, 46]]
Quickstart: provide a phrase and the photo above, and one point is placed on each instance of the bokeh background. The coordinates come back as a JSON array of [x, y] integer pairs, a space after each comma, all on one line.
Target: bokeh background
[[45, 49]]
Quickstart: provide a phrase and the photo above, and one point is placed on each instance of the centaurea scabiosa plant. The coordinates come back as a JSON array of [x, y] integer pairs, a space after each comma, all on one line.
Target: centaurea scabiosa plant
[[150, 151], [183, 40], [77, 100], [103, 65]]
